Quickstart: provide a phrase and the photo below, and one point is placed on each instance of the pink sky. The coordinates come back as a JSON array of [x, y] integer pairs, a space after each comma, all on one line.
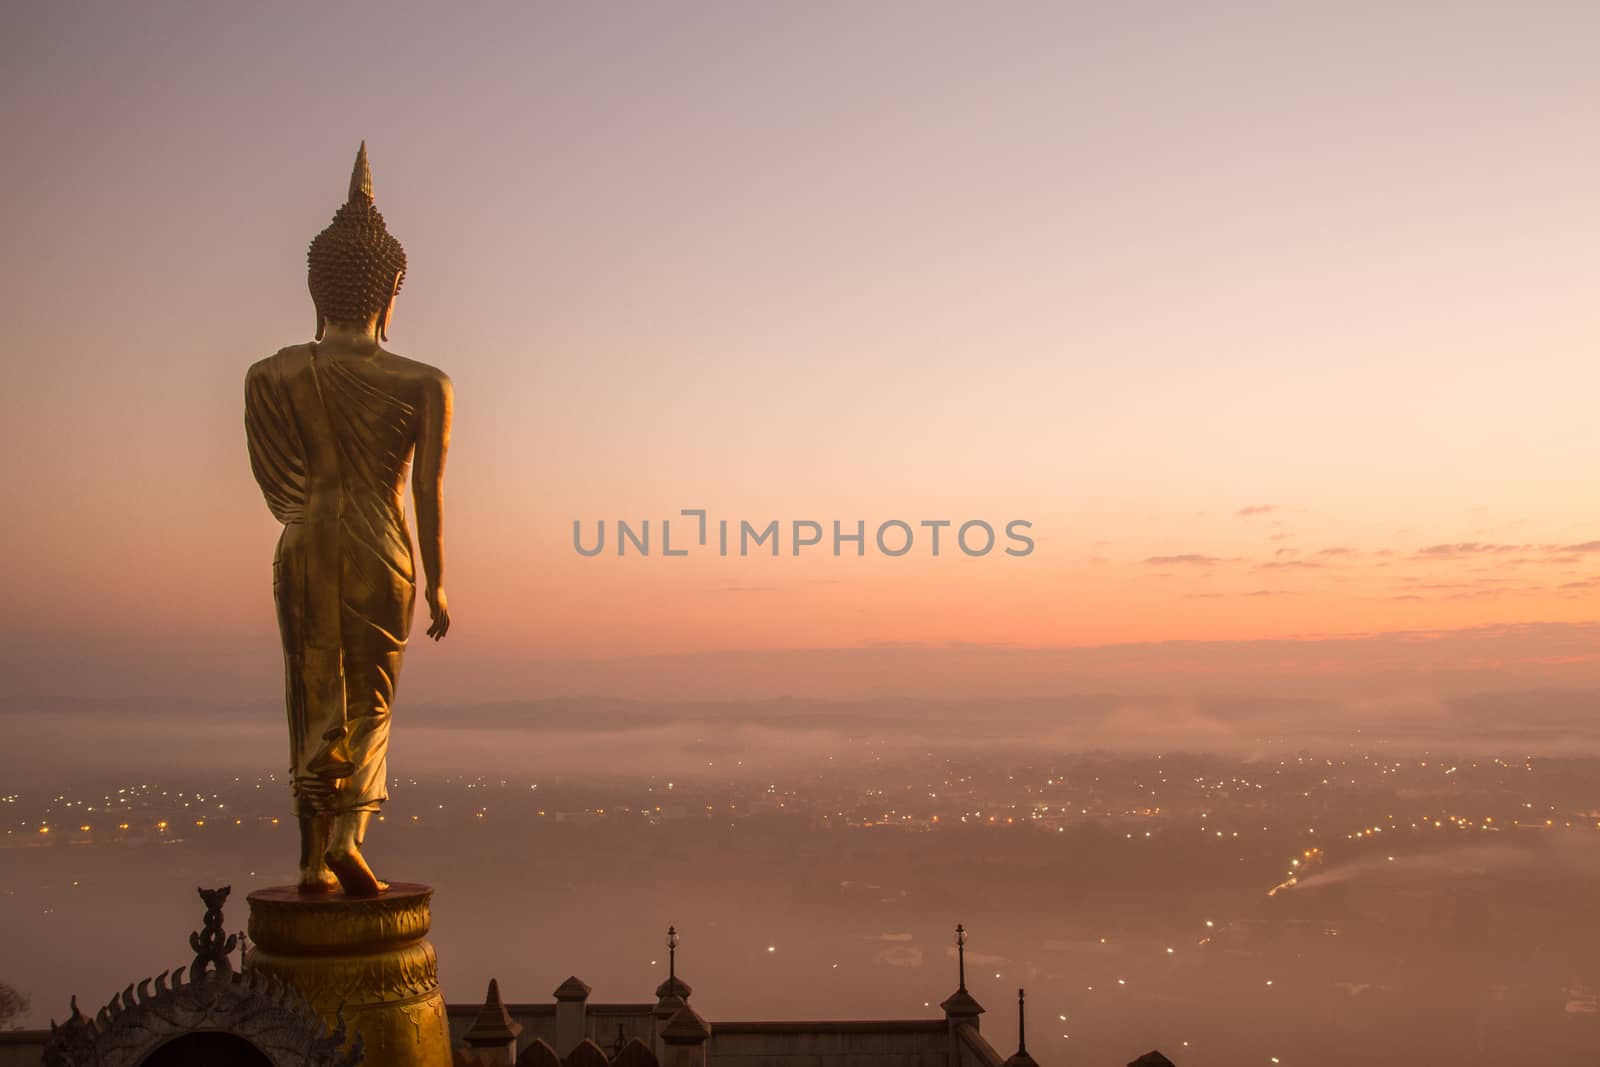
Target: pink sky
[[1276, 324]]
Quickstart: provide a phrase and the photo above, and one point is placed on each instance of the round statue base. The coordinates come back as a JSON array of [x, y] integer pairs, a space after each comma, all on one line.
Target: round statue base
[[367, 957]]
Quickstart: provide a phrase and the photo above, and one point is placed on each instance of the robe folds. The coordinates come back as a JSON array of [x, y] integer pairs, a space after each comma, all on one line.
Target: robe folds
[[330, 447]]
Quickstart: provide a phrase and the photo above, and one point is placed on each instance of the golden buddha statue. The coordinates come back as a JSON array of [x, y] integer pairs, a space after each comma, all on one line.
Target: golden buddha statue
[[332, 426]]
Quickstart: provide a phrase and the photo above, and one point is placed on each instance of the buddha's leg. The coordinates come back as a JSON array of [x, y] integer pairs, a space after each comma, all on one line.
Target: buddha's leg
[[345, 859], [315, 874], [373, 655], [313, 796], [360, 796], [324, 761]]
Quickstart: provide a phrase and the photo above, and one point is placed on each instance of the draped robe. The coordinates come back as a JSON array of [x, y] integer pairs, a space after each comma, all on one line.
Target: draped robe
[[330, 444]]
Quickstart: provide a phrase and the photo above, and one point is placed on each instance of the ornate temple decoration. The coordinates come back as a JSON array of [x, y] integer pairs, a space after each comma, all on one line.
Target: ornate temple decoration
[[247, 1018]]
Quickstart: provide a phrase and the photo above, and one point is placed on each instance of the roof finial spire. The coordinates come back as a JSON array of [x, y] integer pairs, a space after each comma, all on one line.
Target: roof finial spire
[[961, 957], [1020, 1058], [361, 177], [494, 1027], [960, 1004]]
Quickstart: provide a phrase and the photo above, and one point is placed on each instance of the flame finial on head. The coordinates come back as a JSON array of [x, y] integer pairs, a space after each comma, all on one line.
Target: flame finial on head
[[361, 178], [355, 265]]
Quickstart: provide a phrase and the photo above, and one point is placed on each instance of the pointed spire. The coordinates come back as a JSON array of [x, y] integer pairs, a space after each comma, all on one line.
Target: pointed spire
[[494, 1025], [1020, 1058], [673, 987], [361, 177], [961, 1004]]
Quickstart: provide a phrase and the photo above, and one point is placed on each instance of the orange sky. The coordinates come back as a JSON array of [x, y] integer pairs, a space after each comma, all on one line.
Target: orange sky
[[1249, 312]]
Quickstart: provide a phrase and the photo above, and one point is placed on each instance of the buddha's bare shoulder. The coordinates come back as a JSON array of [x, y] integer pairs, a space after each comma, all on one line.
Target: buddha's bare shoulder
[[415, 371], [283, 359]]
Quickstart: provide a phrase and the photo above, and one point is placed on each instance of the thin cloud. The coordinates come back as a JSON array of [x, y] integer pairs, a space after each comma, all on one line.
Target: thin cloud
[[1465, 549], [1535, 554], [1255, 509], [1186, 559]]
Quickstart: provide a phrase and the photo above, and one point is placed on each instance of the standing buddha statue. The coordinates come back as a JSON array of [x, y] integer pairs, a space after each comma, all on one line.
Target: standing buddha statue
[[333, 426]]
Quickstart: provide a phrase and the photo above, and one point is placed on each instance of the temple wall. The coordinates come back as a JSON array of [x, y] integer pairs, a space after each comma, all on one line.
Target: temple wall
[[915, 1043], [539, 1021], [22, 1048]]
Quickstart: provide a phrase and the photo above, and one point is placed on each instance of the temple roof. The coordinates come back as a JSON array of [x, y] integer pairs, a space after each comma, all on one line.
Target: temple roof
[[574, 988], [674, 987], [538, 1054], [587, 1054], [635, 1054], [961, 1003], [1152, 1059], [686, 1027], [494, 1025]]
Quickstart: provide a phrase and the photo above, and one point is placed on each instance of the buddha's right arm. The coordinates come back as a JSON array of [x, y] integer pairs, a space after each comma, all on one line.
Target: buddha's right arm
[[427, 477]]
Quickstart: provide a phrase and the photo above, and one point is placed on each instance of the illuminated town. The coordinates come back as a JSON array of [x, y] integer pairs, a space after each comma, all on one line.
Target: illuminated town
[[1312, 879]]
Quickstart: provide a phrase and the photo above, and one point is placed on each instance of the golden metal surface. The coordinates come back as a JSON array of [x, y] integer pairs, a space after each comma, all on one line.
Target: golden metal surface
[[332, 427], [366, 956]]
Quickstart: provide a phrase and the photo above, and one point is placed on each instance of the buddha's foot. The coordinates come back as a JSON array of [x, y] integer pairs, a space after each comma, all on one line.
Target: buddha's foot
[[354, 875], [318, 880]]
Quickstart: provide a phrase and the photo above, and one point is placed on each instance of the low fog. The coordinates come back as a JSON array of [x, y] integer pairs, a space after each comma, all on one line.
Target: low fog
[[1227, 878]]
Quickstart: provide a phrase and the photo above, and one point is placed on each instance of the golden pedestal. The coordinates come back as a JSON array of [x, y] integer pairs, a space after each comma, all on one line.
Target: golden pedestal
[[368, 955]]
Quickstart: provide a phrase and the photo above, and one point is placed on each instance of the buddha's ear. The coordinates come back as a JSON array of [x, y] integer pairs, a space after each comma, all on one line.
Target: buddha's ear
[[388, 310], [318, 310]]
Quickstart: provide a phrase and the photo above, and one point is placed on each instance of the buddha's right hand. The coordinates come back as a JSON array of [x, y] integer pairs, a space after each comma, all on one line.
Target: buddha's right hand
[[438, 612]]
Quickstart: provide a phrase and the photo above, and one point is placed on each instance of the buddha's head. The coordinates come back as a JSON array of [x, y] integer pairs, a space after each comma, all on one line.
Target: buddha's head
[[355, 266]]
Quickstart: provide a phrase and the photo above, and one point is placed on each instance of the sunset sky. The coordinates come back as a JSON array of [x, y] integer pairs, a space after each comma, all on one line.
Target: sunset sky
[[1280, 325]]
